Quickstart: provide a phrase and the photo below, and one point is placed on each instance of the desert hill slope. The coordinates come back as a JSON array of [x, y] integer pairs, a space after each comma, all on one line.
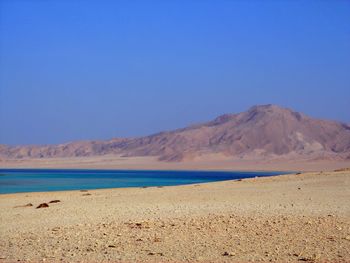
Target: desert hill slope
[[265, 131]]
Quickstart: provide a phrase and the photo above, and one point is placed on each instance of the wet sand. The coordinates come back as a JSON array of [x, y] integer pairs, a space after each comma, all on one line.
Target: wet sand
[[304, 217]]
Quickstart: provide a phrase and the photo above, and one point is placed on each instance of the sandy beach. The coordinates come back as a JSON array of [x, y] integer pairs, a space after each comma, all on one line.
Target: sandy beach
[[303, 217]]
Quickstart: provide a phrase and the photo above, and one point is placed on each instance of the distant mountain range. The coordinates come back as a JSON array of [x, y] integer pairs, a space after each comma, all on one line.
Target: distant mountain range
[[266, 131]]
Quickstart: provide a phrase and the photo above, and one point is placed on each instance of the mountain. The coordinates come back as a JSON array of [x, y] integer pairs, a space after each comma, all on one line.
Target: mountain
[[265, 131]]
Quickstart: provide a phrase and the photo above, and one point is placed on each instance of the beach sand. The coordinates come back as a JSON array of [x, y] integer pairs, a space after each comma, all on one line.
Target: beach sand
[[303, 217], [205, 162]]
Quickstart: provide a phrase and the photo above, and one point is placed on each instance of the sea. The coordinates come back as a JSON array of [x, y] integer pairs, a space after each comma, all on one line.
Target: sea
[[44, 180]]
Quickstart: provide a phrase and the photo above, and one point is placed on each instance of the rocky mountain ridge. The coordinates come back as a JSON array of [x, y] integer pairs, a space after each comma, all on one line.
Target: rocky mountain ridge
[[264, 131]]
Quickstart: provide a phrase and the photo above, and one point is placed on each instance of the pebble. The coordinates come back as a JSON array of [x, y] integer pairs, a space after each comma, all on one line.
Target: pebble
[[54, 201], [43, 205], [27, 205], [228, 254]]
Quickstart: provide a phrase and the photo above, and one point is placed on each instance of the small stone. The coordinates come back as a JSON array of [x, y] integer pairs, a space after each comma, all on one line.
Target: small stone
[[228, 254], [27, 205], [54, 201], [305, 259], [43, 205], [156, 239]]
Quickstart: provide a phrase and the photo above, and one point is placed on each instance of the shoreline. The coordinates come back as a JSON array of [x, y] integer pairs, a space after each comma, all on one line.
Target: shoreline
[[150, 170], [131, 187], [151, 186]]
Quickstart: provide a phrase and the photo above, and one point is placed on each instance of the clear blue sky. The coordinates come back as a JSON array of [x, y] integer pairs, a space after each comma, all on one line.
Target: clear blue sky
[[73, 70]]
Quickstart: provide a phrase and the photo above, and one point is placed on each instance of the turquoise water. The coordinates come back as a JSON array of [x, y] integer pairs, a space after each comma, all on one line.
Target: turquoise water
[[42, 180]]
